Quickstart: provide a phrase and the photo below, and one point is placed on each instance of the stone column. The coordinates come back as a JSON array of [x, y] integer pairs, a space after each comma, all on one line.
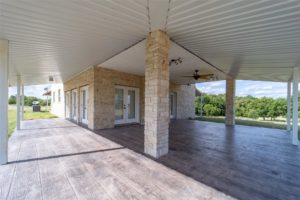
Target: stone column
[[230, 97], [3, 101], [157, 94], [295, 139]]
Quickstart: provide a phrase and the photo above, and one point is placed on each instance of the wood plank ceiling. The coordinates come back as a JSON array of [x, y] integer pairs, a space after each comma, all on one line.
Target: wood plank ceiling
[[253, 40]]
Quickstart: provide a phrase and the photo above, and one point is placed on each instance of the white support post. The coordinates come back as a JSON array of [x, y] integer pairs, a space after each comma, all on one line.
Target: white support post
[[18, 102], [288, 115], [295, 139], [3, 101], [22, 102]]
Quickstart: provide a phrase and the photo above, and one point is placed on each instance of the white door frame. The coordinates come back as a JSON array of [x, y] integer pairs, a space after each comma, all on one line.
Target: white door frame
[[68, 105], [74, 105], [125, 119], [82, 108], [174, 107]]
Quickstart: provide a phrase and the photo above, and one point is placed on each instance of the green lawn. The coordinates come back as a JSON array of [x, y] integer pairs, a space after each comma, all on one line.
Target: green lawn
[[28, 115], [279, 123]]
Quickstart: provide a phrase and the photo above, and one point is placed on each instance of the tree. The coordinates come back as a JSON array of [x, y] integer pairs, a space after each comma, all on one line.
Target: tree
[[253, 114], [197, 105], [277, 108], [12, 99], [211, 110], [262, 105]]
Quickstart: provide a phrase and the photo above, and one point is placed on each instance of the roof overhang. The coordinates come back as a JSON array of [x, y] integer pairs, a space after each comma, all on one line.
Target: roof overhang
[[248, 40]]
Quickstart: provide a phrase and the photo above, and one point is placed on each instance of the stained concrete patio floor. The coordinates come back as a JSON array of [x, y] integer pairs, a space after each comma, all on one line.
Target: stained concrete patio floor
[[241, 161], [56, 159]]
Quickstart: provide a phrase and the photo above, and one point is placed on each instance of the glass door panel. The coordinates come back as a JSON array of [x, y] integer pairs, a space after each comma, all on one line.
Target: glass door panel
[[131, 104], [74, 105], [84, 104], [119, 104]]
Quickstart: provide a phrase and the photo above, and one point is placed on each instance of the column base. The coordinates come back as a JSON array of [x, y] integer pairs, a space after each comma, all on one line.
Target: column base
[[156, 152], [295, 141]]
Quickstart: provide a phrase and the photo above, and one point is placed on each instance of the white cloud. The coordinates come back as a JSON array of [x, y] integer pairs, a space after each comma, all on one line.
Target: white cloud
[[244, 88], [33, 90]]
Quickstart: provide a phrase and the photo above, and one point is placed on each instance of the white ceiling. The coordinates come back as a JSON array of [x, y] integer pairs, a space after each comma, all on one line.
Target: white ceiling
[[132, 61], [256, 40]]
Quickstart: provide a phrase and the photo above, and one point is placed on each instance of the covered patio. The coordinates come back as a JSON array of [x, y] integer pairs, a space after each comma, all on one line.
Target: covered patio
[[130, 61], [241, 161], [55, 159]]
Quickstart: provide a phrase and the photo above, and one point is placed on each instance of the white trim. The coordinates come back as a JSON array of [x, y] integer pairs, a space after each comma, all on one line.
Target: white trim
[[3, 101], [288, 116], [295, 140], [22, 103], [68, 105], [18, 102], [86, 89], [174, 108], [74, 114]]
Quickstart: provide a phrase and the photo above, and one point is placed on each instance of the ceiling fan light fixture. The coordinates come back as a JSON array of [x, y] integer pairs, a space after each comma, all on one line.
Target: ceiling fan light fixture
[[51, 79], [175, 61]]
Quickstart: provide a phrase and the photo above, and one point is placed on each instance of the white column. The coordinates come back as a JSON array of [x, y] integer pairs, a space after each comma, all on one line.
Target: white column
[[3, 101], [295, 140], [22, 102], [18, 102], [288, 115]]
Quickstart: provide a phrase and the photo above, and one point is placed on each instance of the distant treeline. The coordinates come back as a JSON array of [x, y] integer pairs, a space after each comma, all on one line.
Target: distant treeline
[[249, 106], [28, 100]]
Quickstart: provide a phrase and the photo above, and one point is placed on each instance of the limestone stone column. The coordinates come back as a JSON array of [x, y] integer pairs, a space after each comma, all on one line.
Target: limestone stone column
[[230, 98], [157, 94]]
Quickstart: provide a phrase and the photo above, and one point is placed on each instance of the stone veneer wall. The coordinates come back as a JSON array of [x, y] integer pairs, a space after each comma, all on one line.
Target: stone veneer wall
[[102, 83], [83, 79], [185, 100], [105, 82]]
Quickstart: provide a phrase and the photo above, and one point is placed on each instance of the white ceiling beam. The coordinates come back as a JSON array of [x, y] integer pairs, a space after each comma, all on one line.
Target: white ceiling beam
[[158, 14]]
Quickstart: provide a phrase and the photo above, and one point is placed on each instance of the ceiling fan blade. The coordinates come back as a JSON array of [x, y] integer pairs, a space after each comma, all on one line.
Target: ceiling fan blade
[[187, 76], [205, 75]]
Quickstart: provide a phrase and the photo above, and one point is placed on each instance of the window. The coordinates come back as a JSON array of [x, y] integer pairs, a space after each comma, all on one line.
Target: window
[[53, 97], [58, 95]]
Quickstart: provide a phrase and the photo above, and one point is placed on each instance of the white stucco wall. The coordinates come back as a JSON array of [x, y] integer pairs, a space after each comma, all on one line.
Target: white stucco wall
[[57, 106]]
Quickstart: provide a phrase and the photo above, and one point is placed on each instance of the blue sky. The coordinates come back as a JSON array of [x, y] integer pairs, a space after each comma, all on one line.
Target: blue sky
[[35, 90], [243, 88]]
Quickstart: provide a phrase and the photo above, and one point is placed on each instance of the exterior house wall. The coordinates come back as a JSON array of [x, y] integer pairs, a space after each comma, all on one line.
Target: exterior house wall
[[58, 100], [102, 82], [105, 82], [85, 78], [185, 96]]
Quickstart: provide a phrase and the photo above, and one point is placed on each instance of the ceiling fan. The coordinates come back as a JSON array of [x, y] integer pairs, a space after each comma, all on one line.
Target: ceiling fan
[[197, 76]]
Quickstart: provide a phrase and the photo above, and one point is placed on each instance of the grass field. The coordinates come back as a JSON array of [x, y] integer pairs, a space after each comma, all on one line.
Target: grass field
[[28, 115], [279, 123]]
